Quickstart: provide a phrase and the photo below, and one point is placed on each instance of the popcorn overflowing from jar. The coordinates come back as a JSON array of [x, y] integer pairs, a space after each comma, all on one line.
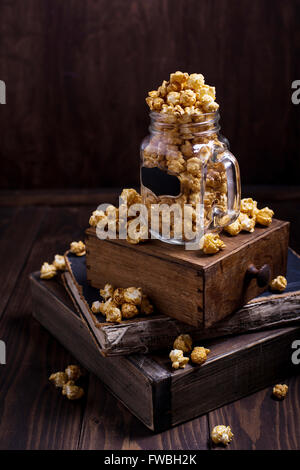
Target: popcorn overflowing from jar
[[185, 143]]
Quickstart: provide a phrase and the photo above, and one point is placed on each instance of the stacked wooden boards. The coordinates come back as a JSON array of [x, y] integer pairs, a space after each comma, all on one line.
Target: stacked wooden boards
[[157, 331], [146, 384]]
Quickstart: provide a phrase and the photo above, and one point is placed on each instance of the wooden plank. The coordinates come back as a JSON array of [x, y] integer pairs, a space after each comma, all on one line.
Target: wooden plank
[[33, 414], [18, 233], [260, 422]]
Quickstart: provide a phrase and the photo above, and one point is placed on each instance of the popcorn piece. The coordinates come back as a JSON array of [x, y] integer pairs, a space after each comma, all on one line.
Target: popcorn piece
[[131, 196], [280, 391], [178, 360], [96, 217], [199, 355], [221, 435], [133, 295], [187, 98], [264, 216], [208, 104], [59, 262], [47, 271], [78, 248], [246, 223], [129, 310], [73, 372], [195, 81], [193, 166], [97, 307], [179, 77], [212, 244], [278, 284], [146, 306], [107, 292], [72, 391], [249, 207], [173, 98], [59, 379], [118, 296], [113, 314], [184, 343], [111, 311], [233, 229]]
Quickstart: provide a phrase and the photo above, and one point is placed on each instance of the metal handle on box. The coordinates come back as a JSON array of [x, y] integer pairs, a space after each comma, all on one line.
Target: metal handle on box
[[262, 275]]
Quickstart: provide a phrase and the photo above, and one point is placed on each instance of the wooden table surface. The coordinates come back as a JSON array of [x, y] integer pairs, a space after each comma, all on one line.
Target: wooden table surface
[[33, 415]]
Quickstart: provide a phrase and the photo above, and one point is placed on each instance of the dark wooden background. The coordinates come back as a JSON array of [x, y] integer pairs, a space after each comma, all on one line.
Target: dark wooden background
[[77, 72]]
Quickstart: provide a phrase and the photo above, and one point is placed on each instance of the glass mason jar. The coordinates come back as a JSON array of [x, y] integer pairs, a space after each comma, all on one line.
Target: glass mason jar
[[186, 161]]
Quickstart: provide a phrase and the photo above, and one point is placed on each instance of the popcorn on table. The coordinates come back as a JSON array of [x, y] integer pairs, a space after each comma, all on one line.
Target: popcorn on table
[[59, 262], [72, 391], [48, 271], [73, 372], [249, 216], [212, 244], [278, 284], [122, 303], [280, 391], [199, 355], [78, 248], [221, 435], [58, 379], [178, 359], [184, 343]]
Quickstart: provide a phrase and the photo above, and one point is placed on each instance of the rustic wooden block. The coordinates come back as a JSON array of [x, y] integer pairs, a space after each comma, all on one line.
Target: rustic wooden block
[[147, 386], [194, 288], [150, 333]]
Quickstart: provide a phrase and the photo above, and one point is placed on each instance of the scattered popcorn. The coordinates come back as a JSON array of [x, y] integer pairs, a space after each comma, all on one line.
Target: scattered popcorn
[[47, 271], [96, 217], [184, 343], [146, 306], [129, 311], [178, 360], [59, 262], [199, 355], [133, 295], [246, 223], [264, 216], [280, 391], [233, 229], [107, 292], [113, 314], [249, 207], [59, 379], [212, 243], [73, 372], [221, 435], [96, 307], [118, 296], [131, 196], [72, 391], [278, 284], [78, 248]]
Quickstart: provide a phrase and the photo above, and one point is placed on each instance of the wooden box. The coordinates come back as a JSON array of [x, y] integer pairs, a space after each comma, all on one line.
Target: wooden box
[[159, 396], [194, 288], [150, 333]]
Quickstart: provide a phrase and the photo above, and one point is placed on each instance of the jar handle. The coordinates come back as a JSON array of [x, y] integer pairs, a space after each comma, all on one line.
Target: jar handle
[[233, 191]]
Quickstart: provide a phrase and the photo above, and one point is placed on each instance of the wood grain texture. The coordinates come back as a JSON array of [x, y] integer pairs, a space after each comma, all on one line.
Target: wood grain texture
[[77, 73], [33, 414], [261, 422]]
